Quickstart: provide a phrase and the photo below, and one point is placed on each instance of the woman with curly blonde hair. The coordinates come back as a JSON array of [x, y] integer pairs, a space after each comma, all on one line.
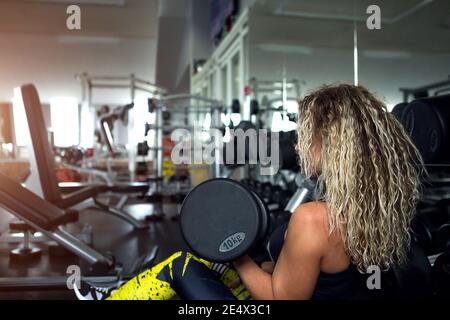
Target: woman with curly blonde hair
[[369, 173]]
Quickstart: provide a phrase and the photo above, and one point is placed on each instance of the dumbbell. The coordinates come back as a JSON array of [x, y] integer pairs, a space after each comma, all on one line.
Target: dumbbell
[[221, 220], [426, 122]]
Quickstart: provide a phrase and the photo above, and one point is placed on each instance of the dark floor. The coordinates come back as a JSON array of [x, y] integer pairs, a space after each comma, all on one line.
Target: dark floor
[[110, 235]]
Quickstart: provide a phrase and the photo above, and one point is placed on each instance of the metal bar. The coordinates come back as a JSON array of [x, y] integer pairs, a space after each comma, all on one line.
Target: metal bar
[[110, 86], [145, 89], [276, 83], [109, 78], [160, 144], [188, 96], [122, 215], [133, 87], [297, 199], [215, 122], [303, 193], [74, 245], [193, 110], [131, 78], [122, 202]]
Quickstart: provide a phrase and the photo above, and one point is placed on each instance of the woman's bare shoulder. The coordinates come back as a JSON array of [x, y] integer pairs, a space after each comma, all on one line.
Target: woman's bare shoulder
[[311, 212], [310, 218]]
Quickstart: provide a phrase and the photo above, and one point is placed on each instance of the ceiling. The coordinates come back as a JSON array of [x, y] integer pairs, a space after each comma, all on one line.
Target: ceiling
[[101, 18], [407, 25]]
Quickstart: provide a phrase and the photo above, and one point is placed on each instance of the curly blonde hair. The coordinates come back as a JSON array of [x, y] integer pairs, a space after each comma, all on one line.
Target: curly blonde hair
[[370, 171]]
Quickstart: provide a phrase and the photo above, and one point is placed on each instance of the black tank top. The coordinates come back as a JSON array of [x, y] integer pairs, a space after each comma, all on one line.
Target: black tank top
[[330, 286]]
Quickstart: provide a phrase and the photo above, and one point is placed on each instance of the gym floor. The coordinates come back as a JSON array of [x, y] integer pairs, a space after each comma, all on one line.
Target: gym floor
[[110, 235]]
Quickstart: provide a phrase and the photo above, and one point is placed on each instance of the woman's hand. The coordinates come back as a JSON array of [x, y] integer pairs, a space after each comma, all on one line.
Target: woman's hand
[[266, 266]]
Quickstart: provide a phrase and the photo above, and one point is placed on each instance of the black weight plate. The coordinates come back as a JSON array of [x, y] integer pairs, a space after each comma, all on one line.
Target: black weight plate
[[398, 110], [220, 220], [424, 126]]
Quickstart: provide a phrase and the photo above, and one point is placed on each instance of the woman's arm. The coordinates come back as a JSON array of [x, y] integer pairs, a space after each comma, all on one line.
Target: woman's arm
[[298, 266]]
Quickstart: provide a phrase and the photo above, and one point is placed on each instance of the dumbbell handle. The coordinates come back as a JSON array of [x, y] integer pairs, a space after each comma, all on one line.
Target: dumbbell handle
[[297, 199], [26, 240], [303, 193]]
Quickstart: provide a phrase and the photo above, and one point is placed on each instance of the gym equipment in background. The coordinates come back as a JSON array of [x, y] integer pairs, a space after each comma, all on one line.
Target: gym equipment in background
[[40, 215], [42, 160], [426, 122], [91, 85], [244, 152], [119, 113], [184, 110], [47, 218]]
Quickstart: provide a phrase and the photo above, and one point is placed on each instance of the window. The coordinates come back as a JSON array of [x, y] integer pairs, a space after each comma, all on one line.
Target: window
[[64, 113], [20, 120], [87, 126]]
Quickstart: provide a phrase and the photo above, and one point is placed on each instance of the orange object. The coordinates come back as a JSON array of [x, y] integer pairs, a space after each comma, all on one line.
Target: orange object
[[67, 175], [168, 145]]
